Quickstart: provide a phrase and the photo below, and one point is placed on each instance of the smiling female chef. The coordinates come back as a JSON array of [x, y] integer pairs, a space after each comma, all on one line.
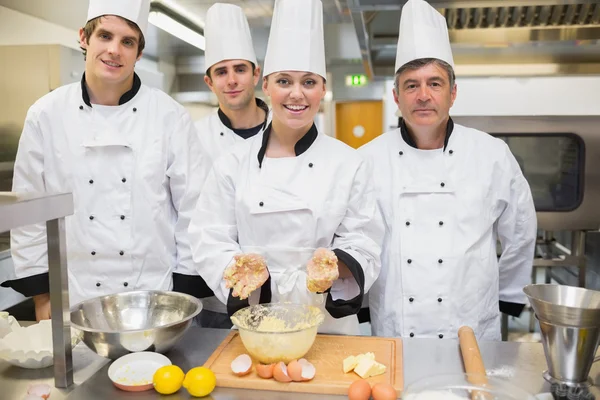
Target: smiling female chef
[[291, 210]]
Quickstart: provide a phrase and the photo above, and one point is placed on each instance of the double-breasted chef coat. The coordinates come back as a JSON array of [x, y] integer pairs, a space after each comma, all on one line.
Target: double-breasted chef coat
[[217, 136], [134, 170], [444, 210], [284, 209]]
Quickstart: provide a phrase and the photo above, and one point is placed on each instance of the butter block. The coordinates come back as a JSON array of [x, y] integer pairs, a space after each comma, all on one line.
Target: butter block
[[364, 367], [367, 356], [367, 367], [349, 364], [377, 369], [363, 364]]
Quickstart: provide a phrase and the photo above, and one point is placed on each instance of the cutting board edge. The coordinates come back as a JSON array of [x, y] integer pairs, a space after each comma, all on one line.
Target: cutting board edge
[[291, 387]]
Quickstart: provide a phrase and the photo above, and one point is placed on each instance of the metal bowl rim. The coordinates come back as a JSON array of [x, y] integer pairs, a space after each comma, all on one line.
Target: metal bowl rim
[[321, 319], [558, 305], [94, 330]]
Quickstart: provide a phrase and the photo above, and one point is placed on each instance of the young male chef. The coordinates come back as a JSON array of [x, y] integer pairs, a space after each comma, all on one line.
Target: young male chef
[[129, 154], [232, 74], [447, 193]]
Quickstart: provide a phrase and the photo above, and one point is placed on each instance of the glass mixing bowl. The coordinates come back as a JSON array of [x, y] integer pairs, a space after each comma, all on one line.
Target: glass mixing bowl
[[458, 387], [279, 331]]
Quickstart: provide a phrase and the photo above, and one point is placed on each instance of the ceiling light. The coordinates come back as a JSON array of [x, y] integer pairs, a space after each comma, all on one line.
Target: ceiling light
[[175, 28]]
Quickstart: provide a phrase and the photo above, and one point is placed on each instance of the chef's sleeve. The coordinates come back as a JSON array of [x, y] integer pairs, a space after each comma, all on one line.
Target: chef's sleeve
[[357, 243], [189, 164], [517, 232], [213, 229], [29, 248]]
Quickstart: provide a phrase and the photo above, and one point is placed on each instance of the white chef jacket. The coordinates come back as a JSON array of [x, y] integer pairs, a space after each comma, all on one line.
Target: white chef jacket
[[284, 209], [134, 171], [216, 137], [444, 210]]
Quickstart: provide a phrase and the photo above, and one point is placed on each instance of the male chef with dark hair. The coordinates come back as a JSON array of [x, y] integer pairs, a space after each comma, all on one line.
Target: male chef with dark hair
[[232, 73], [129, 154], [447, 194]]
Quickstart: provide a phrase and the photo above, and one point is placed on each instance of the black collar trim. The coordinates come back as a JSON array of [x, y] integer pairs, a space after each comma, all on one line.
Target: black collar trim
[[300, 147], [130, 94], [227, 122], [409, 140]]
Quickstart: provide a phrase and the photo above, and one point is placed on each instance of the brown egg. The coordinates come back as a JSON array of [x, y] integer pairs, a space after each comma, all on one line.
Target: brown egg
[[384, 391], [280, 373], [294, 370], [359, 390], [265, 371]]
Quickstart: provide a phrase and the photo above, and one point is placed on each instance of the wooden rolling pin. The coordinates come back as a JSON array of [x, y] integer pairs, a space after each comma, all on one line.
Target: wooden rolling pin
[[472, 360]]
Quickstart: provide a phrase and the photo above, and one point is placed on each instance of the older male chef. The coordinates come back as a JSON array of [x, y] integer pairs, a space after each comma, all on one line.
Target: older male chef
[[447, 193], [129, 154], [232, 74]]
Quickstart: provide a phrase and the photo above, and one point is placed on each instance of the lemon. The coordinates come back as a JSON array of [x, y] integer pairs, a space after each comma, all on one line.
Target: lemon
[[168, 379], [200, 381]]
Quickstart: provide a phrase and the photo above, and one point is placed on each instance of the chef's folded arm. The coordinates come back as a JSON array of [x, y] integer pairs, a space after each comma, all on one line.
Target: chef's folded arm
[[357, 245], [29, 248], [189, 164], [517, 231]]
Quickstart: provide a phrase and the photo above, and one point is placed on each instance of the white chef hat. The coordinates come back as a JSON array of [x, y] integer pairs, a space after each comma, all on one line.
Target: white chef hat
[[296, 40], [227, 35], [423, 34], [134, 10]]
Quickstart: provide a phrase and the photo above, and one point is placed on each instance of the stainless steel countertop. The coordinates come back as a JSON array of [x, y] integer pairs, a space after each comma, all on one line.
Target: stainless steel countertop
[[523, 363]]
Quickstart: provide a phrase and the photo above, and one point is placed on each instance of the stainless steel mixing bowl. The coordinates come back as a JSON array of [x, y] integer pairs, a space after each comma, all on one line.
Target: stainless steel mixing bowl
[[565, 305], [127, 322]]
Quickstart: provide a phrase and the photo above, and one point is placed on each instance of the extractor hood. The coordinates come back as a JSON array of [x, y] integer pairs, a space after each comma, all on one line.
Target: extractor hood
[[565, 32]]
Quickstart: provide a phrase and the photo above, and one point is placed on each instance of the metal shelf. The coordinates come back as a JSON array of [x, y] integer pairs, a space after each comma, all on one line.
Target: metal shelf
[[25, 209], [18, 210]]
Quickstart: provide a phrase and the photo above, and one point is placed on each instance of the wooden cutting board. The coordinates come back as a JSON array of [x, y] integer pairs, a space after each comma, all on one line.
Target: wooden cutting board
[[326, 354]]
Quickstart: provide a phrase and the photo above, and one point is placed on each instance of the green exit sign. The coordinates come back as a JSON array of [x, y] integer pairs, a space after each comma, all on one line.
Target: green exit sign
[[356, 80]]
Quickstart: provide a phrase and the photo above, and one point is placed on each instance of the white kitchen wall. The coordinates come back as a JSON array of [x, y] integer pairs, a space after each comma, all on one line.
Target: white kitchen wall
[[528, 96], [390, 109], [198, 111], [21, 29]]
